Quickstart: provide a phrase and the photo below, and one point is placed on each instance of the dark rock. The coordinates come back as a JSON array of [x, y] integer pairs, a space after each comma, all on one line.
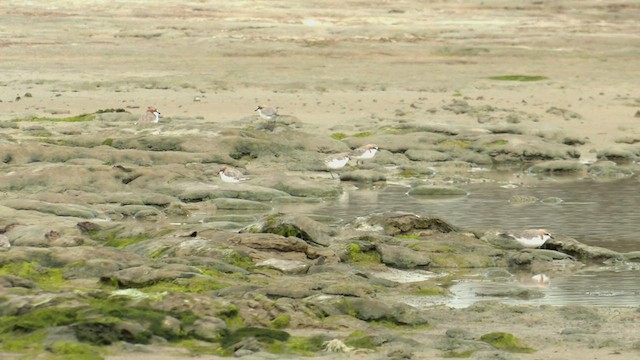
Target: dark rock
[[558, 167], [395, 223], [363, 176]]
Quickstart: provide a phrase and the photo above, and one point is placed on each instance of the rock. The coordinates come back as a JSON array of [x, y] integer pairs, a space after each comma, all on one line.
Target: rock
[[4, 241], [363, 176], [195, 192], [9, 281], [580, 251], [300, 226], [566, 114], [395, 223], [72, 210], [436, 191], [401, 257], [271, 243], [296, 186], [558, 166], [239, 204], [515, 292], [209, 328], [376, 310], [291, 290], [608, 169], [142, 276], [285, 266], [620, 154], [504, 148], [427, 155]]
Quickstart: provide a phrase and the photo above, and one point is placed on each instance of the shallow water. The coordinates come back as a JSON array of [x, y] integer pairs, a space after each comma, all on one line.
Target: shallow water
[[596, 286], [603, 214]]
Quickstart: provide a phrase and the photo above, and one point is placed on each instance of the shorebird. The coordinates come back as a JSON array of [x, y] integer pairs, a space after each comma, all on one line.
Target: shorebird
[[152, 115], [230, 175], [364, 152], [532, 238], [337, 161], [267, 113]]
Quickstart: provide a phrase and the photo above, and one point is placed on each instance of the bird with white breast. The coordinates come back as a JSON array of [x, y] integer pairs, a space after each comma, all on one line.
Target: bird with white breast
[[267, 113], [336, 162], [151, 116], [364, 152], [532, 238], [230, 175]]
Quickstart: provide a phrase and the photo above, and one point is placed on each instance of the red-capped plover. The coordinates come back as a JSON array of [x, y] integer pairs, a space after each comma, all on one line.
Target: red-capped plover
[[364, 152], [532, 238], [230, 175], [267, 113], [337, 161], [152, 115]]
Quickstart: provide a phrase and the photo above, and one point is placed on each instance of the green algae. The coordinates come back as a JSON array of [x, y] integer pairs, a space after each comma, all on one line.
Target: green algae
[[263, 335], [76, 118], [338, 136], [45, 278], [305, 345], [360, 340], [356, 255], [281, 321], [459, 354], [507, 342], [429, 291], [72, 351], [20, 342], [454, 144]]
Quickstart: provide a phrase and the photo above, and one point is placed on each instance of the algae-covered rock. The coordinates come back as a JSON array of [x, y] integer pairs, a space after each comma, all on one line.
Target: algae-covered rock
[[506, 342], [303, 227], [401, 257], [436, 191], [376, 310]]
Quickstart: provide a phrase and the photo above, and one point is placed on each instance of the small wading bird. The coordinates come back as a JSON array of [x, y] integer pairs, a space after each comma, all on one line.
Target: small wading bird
[[230, 175], [335, 162], [151, 116], [364, 152], [532, 238], [267, 113]]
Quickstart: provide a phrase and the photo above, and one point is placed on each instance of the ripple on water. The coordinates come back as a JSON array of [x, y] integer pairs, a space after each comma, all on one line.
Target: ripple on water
[[600, 286]]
